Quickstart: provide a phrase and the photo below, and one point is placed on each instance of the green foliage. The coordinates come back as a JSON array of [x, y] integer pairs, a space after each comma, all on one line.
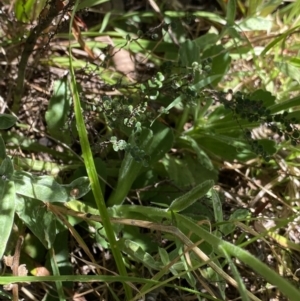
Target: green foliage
[[58, 111], [22, 193], [156, 141]]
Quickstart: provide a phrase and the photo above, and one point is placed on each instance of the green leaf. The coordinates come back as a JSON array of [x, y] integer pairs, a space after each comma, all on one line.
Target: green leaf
[[46, 189], [201, 154], [231, 12], [28, 10], [161, 143], [43, 188], [189, 53], [220, 62], [205, 82], [2, 149], [217, 206], [6, 168], [178, 172], [269, 6], [255, 23], [135, 251], [164, 256], [285, 105], [206, 41], [78, 188], [289, 70], [239, 214], [7, 211], [253, 7], [89, 3], [7, 121], [266, 96], [191, 197], [130, 169], [58, 111], [226, 147], [38, 219]]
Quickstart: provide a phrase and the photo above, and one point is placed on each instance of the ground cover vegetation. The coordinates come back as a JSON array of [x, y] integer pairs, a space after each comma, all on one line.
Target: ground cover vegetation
[[149, 150]]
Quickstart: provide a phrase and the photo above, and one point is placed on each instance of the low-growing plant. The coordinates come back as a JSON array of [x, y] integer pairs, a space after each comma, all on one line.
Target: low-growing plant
[[149, 147]]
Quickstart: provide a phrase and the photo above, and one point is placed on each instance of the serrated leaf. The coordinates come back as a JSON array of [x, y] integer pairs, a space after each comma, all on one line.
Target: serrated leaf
[[191, 197]]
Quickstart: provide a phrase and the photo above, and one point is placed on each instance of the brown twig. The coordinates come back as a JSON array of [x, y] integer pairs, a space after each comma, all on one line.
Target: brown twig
[[15, 267]]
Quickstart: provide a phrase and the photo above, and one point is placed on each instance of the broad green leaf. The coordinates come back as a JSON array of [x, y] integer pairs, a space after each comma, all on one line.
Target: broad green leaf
[[43, 188], [189, 53], [58, 111], [7, 211], [6, 168], [164, 256], [206, 41], [289, 70], [174, 103], [220, 63], [177, 171], [239, 214], [226, 147], [191, 197], [269, 6], [161, 143], [28, 10], [38, 219], [130, 169], [201, 154], [134, 250], [267, 97], [255, 23], [78, 188], [253, 7], [46, 189], [7, 121]]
